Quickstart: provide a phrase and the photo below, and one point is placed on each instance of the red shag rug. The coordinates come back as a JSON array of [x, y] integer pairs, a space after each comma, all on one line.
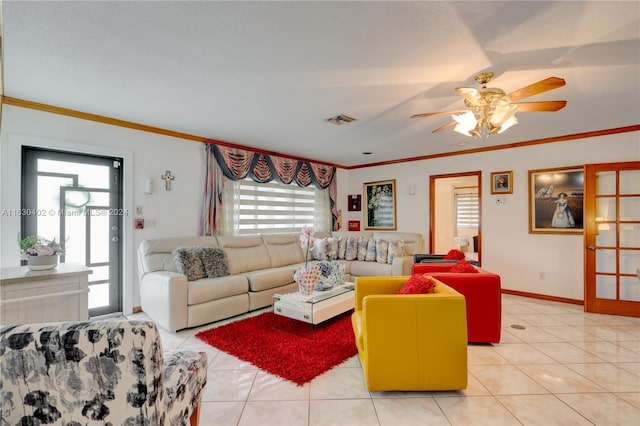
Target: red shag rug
[[291, 349]]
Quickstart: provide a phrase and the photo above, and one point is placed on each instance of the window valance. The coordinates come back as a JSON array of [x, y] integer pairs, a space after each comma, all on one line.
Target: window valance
[[239, 164]]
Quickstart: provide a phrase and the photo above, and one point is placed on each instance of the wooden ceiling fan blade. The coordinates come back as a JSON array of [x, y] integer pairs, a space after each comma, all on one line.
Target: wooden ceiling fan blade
[[470, 94], [540, 106], [431, 114], [445, 127], [536, 88]]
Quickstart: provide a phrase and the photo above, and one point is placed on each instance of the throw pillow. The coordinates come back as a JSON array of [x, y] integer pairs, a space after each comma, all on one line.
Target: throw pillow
[[362, 248], [215, 261], [342, 247], [418, 284], [454, 255], [332, 249], [371, 250], [464, 267], [382, 251], [188, 263], [320, 249], [396, 249], [351, 251]]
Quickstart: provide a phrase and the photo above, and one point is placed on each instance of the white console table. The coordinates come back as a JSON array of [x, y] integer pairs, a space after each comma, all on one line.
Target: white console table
[[60, 294]]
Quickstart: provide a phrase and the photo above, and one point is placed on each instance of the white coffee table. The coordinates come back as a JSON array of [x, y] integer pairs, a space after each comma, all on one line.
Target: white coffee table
[[317, 307]]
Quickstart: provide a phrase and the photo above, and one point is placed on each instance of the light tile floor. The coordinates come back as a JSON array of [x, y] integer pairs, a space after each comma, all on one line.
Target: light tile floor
[[566, 367]]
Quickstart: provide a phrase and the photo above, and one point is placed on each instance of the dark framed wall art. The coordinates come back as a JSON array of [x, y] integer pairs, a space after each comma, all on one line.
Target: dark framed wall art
[[380, 205], [556, 200]]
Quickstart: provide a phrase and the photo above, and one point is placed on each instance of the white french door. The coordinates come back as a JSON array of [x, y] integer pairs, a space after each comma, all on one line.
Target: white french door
[[78, 200]]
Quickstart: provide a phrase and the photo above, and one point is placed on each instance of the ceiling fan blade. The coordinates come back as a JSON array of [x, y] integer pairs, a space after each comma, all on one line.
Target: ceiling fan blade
[[541, 106], [445, 127], [470, 94], [536, 88], [431, 114]]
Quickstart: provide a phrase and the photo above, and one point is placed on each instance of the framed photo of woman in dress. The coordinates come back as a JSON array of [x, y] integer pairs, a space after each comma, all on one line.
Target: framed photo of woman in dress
[[502, 182], [380, 205], [555, 200]]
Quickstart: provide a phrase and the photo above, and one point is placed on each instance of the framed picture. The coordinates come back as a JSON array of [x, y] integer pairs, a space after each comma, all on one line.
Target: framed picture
[[380, 205], [555, 200], [354, 225], [502, 182], [354, 203]]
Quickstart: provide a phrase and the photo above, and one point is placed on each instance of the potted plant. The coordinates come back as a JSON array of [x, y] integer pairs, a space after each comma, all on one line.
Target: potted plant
[[39, 252]]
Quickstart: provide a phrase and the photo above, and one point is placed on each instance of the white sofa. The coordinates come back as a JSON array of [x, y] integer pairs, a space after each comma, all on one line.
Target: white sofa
[[259, 267]]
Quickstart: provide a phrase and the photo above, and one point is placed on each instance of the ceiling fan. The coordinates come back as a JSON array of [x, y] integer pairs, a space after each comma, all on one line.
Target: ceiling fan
[[490, 110]]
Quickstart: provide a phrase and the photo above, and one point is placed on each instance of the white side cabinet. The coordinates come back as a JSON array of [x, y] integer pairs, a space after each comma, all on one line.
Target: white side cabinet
[[54, 295]]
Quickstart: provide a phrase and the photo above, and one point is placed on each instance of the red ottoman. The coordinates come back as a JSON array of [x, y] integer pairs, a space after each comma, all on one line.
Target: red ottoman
[[483, 294]]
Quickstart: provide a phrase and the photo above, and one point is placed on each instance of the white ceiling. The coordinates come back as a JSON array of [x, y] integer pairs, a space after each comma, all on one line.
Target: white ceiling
[[268, 74]]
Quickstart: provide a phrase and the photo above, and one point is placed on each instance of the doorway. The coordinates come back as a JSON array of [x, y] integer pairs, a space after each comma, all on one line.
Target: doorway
[[612, 238], [454, 212], [78, 198]]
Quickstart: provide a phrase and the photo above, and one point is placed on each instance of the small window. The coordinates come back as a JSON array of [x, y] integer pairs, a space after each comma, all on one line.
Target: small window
[[467, 209]]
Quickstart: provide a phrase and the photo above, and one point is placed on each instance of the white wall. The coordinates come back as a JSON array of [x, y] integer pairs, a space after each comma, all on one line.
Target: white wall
[[507, 247], [146, 155]]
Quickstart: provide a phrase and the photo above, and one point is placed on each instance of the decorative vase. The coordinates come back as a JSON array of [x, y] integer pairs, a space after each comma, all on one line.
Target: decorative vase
[[306, 278], [42, 263]]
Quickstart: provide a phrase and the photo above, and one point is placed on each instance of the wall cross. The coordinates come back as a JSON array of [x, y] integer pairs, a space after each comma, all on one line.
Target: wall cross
[[167, 178]]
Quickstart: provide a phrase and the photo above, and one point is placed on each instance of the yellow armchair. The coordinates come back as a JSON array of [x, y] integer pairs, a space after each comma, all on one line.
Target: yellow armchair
[[410, 342]]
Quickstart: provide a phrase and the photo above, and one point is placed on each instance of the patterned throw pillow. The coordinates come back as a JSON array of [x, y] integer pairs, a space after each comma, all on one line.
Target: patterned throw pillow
[[396, 249], [418, 284], [362, 248], [382, 251], [342, 247], [215, 261], [188, 263], [371, 250], [320, 249], [351, 251], [332, 248], [464, 267]]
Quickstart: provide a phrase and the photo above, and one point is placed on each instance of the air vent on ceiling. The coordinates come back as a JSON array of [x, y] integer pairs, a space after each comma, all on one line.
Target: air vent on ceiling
[[341, 119]]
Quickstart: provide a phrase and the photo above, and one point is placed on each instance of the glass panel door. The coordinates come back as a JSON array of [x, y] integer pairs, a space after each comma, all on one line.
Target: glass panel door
[[612, 238], [79, 201]]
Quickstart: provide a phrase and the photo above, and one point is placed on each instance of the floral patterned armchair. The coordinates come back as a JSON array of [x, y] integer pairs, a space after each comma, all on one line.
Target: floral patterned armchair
[[97, 372]]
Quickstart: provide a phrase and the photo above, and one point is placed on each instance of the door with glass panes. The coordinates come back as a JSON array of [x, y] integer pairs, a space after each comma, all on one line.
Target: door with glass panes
[[78, 200], [612, 238]]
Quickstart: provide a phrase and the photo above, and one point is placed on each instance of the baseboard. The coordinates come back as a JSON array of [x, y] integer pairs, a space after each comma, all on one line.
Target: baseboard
[[543, 297]]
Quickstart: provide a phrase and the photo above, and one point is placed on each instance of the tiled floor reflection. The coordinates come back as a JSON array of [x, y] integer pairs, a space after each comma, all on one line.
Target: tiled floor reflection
[[566, 367]]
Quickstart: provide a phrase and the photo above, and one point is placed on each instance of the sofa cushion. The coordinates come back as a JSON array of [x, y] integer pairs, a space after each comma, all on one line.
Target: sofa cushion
[[189, 263], [382, 251], [270, 278], [245, 253], [418, 284], [371, 250], [361, 268], [342, 247], [320, 249], [332, 253], [214, 260], [362, 248], [396, 249], [464, 267], [284, 249], [351, 249], [157, 254], [208, 289]]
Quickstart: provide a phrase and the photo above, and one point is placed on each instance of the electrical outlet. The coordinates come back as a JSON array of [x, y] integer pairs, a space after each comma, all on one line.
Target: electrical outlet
[[138, 210]]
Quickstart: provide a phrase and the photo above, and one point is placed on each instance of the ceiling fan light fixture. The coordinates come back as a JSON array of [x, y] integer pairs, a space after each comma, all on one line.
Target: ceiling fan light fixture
[[512, 121]]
